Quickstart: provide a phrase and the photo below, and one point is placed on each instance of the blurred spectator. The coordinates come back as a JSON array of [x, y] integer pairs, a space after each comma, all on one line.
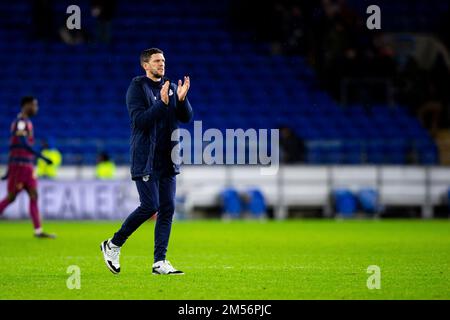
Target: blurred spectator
[[425, 91], [106, 169], [429, 112], [280, 22], [354, 64], [103, 11], [444, 29], [72, 37], [49, 171], [292, 148], [42, 17], [410, 81]]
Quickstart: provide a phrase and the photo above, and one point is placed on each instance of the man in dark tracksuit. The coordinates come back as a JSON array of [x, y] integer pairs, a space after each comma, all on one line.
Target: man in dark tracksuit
[[155, 107]]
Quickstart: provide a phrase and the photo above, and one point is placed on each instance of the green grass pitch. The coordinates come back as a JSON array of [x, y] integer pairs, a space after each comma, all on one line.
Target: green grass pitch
[[302, 259]]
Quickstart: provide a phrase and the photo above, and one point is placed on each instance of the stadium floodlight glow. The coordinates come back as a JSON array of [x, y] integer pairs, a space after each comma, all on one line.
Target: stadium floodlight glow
[[211, 146]]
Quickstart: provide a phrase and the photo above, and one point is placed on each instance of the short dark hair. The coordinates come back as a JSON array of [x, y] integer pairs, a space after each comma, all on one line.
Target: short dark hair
[[26, 99], [147, 53], [104, 156]]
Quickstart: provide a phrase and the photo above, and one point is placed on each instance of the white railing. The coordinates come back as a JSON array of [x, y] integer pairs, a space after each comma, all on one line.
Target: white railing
[[292, 186]]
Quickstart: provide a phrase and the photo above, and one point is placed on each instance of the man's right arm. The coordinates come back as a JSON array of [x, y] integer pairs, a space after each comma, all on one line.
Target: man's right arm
[[141, 116], [37, 154], [21, 132]]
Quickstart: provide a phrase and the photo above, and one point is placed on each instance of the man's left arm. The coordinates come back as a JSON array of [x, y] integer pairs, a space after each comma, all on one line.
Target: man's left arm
[[184, 110], [26, 146]]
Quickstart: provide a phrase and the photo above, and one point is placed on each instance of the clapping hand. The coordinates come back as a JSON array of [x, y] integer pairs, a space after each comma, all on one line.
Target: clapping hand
[[183, 88], [165, 93]]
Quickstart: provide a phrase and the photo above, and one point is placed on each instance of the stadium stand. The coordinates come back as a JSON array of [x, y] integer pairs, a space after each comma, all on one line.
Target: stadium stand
[[235, 83]]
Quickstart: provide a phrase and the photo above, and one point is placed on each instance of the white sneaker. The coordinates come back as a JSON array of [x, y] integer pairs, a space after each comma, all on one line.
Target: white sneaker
[[164, 267], [111, 255]]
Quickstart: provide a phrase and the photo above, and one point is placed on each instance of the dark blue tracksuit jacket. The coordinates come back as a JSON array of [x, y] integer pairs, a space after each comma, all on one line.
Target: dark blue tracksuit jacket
[[152, 123]]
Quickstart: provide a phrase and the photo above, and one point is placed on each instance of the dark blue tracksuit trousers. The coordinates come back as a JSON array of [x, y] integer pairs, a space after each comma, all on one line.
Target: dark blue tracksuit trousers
[[155, 195]]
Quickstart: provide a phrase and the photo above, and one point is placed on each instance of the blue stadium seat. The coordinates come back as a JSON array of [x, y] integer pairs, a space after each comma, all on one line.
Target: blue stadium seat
[[89, 81], [345, 202]]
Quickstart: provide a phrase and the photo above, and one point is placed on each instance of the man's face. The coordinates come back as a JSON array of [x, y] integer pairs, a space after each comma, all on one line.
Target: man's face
[[156, 65], [32, 108]]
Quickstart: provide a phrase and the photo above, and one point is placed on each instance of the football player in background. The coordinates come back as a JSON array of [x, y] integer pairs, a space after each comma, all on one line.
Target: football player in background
[[20, 172]]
